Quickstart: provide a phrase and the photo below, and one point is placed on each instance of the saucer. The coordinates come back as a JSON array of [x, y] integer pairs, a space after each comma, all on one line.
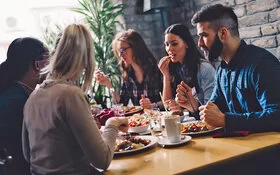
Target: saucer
[[166, 142]]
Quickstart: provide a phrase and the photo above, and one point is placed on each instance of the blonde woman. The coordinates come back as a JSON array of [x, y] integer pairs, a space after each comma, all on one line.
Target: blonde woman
[[59, 134]]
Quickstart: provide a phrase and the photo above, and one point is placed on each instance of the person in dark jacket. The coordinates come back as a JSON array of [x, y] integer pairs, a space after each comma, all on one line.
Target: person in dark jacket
[[19, 75]]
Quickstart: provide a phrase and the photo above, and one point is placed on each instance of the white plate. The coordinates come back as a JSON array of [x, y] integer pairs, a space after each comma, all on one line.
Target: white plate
[[153, 142], [201, 132], [145, 132], [149, 131], [137, 110], [165, 141]]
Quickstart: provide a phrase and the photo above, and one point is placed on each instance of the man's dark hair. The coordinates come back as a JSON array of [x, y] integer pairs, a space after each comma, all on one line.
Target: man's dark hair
[[219, 16]]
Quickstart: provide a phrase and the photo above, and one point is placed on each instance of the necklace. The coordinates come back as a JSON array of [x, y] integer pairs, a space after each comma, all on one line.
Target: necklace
[[27, 88]]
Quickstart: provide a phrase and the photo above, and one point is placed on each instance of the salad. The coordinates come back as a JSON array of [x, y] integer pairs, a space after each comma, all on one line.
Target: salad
[[138, 120]]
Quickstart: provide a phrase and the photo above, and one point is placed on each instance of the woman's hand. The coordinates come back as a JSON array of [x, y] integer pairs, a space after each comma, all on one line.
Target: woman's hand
[[103, 79], [145, 103], [120, 122], [173, 106], [185, 98], [163, 65]]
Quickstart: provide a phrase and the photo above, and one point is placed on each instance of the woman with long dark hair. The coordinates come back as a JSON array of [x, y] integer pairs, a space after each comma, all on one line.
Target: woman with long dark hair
[[19, 75], [185, 63]]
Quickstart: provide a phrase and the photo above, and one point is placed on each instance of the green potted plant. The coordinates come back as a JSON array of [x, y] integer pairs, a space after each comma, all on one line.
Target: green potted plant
[[100, 15], [50, 33]]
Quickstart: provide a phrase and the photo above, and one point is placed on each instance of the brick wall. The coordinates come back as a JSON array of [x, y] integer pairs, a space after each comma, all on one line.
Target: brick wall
[[259, 21]]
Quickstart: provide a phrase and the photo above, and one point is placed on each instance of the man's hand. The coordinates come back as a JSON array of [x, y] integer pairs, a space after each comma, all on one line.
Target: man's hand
[[185, 98], [211, 114]]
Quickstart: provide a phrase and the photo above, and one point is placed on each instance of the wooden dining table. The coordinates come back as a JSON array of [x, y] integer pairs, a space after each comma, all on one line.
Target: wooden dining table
[[201, 155]]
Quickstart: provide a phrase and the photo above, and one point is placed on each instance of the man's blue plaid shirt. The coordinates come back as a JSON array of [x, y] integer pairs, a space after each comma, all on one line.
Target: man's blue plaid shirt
[[247, 90]]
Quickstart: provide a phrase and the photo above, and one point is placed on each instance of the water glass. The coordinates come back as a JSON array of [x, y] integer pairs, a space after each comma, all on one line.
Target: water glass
[[119, 110], [155, 119]]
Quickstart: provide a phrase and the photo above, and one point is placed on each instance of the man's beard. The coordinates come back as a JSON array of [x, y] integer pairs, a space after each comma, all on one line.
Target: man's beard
[[215, 50]]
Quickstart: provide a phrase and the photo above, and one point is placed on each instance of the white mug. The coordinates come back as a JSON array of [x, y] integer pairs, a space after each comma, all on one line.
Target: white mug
[[173, 128]]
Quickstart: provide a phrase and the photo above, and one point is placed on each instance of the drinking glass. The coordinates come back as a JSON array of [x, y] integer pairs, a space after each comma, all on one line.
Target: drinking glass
[[155, 119], [119, 110]]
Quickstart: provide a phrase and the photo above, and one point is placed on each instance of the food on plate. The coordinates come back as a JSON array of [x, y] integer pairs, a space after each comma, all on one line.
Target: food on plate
[[138, 120], [177, 112], [130, 144], [131, 109], [152, 112], [194, 127], [138, 129]]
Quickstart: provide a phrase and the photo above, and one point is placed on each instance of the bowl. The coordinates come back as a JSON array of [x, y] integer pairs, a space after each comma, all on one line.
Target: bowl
[[138, 129]]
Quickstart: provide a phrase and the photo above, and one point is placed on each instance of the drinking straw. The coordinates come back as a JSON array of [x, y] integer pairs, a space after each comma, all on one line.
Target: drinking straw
[[163, 101]]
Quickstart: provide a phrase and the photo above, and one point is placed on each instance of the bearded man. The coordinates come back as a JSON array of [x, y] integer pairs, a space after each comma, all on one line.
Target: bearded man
[[245, 96]]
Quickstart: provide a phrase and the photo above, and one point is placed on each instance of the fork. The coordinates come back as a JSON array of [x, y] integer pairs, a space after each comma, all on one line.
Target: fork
[[195, 96], [128, 135]]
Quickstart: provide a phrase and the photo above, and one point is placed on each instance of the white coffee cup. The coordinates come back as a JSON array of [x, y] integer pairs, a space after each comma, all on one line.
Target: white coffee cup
[[173, 128]]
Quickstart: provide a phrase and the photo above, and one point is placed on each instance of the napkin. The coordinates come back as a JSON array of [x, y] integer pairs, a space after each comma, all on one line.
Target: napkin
[[104, 115], [231, 134]]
